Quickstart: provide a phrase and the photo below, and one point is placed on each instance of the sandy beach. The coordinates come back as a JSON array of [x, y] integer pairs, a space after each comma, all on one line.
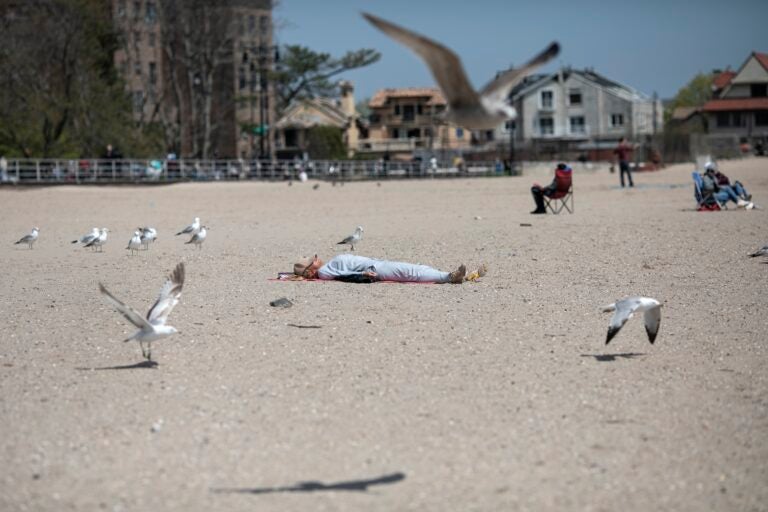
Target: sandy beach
[[495, 395]]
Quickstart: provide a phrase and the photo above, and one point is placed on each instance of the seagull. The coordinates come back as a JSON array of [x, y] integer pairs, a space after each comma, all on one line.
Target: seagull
[[148, 235], [354, 238], [199, 237], [625, 308], [152, 327], [134, 244], [476, 110], [99, 241], [191, 229], [763, 251], [29, 239], [87, 238]]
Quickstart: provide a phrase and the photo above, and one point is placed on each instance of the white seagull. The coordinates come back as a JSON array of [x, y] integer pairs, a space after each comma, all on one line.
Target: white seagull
[[99, 241], [191, 229], [625, 308], [476, 110], [148, 235], [199, 237], [152, 328], [134, 244], [29, 239], [354, 238], [87, 238], [763, 251]]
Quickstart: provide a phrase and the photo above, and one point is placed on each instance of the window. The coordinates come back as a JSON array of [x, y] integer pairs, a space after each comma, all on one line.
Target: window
[[574, 97], [510, 125], [546, 99], [138, 101], [547, 126], [736, 119], [395, 133], [758, 90], [152, 73], [408, 113], [397, 110], [723, 119], [137, 11], [137, 67], [241, 80], [136, 38], [459, 133], [251, 24], [761, 118], [489, 135], [419, 109], [617, 120], [374, 118], [152, 39], [414, 133], [577, 124], [121, 9], [264, 24], [151, 15]]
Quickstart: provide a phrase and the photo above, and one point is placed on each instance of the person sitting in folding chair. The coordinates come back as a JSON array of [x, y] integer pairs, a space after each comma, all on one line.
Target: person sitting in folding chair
[[561, 189]]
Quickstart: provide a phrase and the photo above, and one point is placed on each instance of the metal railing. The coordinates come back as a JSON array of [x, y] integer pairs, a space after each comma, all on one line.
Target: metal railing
[[101, 171]]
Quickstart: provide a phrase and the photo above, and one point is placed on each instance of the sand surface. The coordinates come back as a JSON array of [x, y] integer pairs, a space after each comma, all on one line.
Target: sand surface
[[496, 395]]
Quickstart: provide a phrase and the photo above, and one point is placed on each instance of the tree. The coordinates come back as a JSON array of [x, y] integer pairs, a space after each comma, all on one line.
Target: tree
[[61, 93], [694, 94], [305, 73], [325, 143]]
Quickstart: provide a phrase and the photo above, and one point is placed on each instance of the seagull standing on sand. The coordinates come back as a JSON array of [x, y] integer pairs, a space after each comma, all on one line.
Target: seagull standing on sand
[[29, 239], [86, 239], [199, 237], [148, 235], [152, 328], [191, 229], [99, 241], [763, 251], [625, 308], [483, 110], [134, 244], [354, 238]]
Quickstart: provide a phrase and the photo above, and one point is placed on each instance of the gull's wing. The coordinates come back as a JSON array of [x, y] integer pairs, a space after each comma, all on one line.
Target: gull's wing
[[442, 62], [187, 229], [652, 319], [194, 238], [128, 312], [498, 89], [624, 310], [25, 239], [348, 240], [168, 298], [763, 251]]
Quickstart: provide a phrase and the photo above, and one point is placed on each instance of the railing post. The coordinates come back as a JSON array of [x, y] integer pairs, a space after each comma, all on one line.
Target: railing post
[[37, 170], [114, 171], [18, 177]]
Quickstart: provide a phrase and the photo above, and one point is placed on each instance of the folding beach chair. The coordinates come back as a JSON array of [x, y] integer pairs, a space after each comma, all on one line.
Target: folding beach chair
[[708, 203], [563, 192]]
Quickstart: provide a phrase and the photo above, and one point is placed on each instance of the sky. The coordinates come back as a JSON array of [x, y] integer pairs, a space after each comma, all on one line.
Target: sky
[[650, 45]]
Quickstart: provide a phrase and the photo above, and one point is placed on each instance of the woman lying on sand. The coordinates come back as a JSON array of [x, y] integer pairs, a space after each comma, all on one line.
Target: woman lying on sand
[[359, 269]]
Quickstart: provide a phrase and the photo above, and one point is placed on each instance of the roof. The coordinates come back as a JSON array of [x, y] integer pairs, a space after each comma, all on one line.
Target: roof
[[730, 104], [533, 82], [311, 112], [683, 113], [435, 97], [762, 58], [723, 79]]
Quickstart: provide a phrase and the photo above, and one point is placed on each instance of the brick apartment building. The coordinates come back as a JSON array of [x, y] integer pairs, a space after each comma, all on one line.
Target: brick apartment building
[[167, 90]]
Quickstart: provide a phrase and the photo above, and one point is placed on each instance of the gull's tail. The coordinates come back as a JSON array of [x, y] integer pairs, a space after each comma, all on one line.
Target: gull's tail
[[608, 309]]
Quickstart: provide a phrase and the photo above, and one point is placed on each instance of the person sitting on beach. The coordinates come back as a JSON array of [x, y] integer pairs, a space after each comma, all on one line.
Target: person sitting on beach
[[359, 269], [723, 193], [722, 181], [560, 183]]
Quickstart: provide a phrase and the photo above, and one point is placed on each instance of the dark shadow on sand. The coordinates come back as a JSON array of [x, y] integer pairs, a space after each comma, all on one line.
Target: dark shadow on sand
[[305, 326], [148, 365], [612, 357], [313, 486]]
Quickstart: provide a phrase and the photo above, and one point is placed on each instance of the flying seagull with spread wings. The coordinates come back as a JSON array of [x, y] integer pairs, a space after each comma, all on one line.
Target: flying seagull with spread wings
[[475, 110], [153, 327], [624, 309]]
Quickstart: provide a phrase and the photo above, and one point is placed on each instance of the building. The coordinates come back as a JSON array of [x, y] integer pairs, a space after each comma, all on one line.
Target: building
[[202, 78], [409, 119], [739, 105], [578, 105], [293, 127]]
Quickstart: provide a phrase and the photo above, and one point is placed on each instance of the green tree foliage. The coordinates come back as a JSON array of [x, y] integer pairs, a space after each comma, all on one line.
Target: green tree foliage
[[325, 143], [304, 73], [694, 94], [61, 94]]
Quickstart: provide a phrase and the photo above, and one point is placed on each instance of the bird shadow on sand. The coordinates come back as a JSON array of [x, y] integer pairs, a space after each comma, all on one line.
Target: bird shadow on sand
[[147, 365], [607, 358], [315, 486]]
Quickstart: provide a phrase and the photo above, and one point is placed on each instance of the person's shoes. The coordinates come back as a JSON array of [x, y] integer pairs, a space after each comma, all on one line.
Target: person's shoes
[[477, 274], [538, 212], [457, 276], [749, 206], [741, 203], [747, 197]]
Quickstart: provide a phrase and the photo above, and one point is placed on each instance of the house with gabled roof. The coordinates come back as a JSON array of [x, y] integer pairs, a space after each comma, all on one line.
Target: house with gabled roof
[[739, 105], [579, 105]]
